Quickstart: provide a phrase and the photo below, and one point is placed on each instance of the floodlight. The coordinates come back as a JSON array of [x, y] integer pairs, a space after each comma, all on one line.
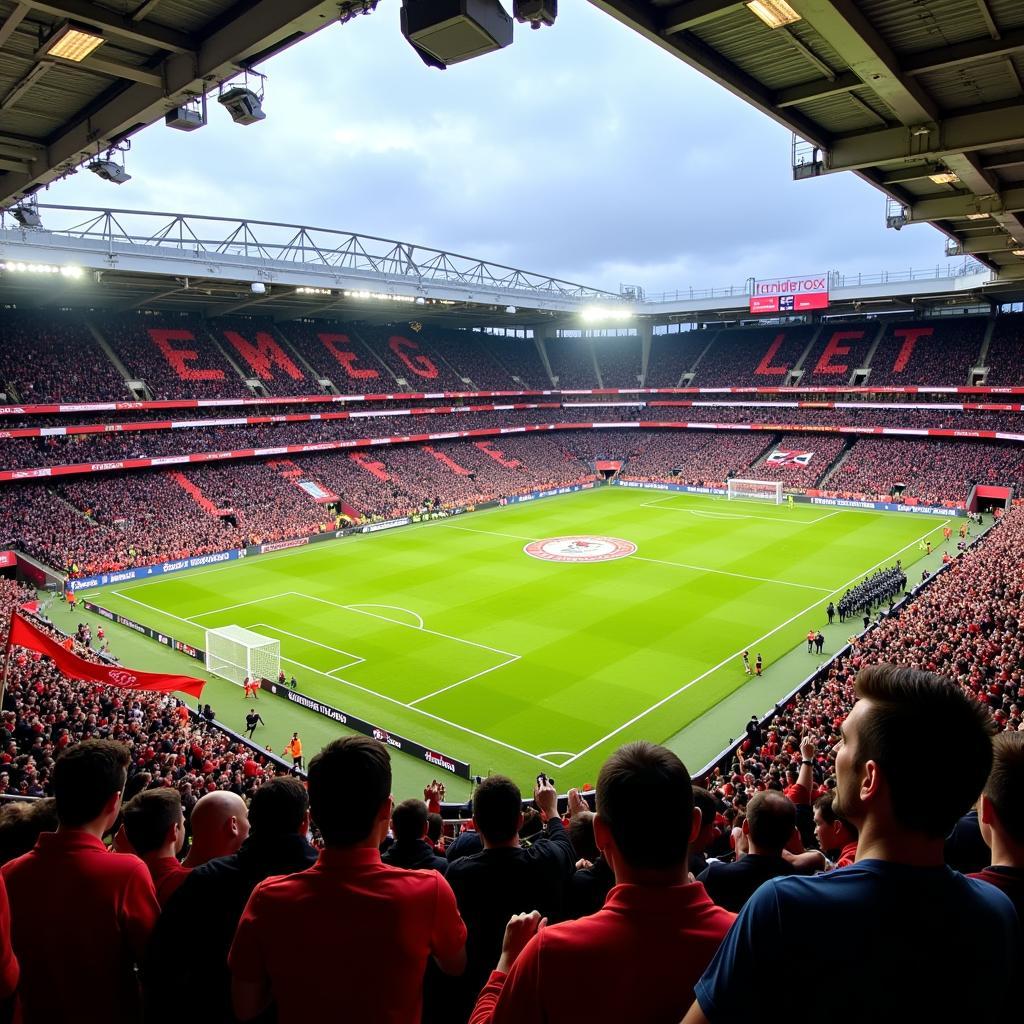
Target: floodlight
[[72, 42], [27, 216], [774, 13], [108, 170], [1017, 252], [977, 216], [510, 309], [944, 178], [536, 12], [445, 32], [258, 288], [188, 117], [244, 106], [599, 314]]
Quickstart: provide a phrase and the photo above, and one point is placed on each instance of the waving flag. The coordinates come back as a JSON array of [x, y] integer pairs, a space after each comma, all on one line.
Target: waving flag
[[25, 634], [787, 457]]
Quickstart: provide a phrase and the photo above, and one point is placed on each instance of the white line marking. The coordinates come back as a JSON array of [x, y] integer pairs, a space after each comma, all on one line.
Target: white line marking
[[714, 514], [754, 643], [355, 659], [374, 693], [406, 625], [241, 604], [451, 686], [489, 533], [393, 607], [558, 753], [738, 575]]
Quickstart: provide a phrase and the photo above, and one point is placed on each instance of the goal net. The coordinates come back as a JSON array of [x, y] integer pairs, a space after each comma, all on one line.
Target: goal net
[[755, 490], [235, 653]]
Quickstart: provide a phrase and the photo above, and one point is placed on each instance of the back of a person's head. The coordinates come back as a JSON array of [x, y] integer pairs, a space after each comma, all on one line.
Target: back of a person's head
[[645, 797], [22, 822], [278, 807], [1005, 786], [497, 805], [825, 806], [349, 780], [435, 826], [707, 805], [409, 820], [85, 777], [909, 712], [149, 817], [771, 817], [581, 835]]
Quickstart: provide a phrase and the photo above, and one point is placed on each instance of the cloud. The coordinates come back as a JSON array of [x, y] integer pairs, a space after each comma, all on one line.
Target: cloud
[[581, 151]]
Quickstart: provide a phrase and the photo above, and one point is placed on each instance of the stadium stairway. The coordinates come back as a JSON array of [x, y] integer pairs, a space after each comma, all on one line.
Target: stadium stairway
[[195, 493], [836, 462], [446, 461], [371, 466]]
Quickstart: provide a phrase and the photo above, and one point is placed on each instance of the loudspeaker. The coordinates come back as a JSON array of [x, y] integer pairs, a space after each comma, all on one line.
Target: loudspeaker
[[448, 31]]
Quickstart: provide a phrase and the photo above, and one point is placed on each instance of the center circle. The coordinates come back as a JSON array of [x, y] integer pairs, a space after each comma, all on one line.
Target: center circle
[[581, 548]]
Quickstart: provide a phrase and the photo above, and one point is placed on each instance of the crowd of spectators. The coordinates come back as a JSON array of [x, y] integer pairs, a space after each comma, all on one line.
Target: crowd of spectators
[[791, 464], [411, 357], [739, 356], [520, 357], [55, 358], [946, 356], [1004, 351], [262, 351], [672, 355], [930, 471], [172, 365], [572, 362]]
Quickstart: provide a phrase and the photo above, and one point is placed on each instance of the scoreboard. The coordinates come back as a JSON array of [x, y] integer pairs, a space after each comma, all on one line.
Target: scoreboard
[[789, 294]]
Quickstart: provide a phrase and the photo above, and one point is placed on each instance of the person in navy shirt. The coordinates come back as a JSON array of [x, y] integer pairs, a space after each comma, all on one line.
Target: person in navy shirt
[[907, 938]]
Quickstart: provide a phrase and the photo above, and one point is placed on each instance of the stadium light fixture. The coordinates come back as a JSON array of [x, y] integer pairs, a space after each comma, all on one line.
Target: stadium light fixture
[[977, 216], [20, 267], [27, 216], [71, 42], [536, 12], [944, 178], [604, 314], [774, 13], [1017, 252], [109, 170]]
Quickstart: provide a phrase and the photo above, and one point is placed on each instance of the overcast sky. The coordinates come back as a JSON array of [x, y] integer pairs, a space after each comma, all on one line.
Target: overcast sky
[[581, 151]]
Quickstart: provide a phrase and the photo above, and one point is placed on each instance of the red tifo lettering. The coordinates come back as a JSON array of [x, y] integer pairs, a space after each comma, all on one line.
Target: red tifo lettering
[[910, 336], [345, 358], [836, 348], [421, 365], [764, 368], [260, 356], [179, 357]]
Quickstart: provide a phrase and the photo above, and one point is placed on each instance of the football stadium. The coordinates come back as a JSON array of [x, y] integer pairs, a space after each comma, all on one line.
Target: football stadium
[[397, 635]]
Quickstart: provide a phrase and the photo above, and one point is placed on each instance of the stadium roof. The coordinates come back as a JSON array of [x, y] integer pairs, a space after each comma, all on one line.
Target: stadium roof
[[56, 112], [923, 100]]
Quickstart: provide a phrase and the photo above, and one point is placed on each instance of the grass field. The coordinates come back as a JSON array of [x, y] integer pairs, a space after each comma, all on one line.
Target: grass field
[[448, 633]]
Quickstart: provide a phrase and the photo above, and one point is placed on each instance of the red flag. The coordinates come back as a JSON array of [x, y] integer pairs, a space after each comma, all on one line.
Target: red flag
[[25, 634]]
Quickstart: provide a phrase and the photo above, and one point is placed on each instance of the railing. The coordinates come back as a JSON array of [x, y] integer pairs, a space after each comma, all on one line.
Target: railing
[[963, 268]]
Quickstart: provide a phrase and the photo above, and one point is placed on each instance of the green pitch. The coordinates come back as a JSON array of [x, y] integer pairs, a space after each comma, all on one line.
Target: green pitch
[[449, 634]]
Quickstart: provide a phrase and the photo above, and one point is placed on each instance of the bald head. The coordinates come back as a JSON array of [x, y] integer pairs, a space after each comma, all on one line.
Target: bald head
[[220, 824]]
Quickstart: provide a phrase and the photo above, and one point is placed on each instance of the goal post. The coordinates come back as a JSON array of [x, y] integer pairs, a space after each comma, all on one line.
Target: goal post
[[235, 653], [755, 490]]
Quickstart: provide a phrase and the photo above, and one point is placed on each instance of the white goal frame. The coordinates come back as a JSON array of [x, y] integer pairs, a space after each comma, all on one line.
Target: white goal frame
[[236, 654], [754, 490]]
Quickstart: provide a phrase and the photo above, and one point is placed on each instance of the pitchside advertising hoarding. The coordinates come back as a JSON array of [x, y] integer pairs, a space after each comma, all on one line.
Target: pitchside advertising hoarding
[[789, 294]]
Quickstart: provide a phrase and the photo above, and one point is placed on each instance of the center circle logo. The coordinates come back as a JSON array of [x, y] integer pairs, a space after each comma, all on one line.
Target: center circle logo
[[584, 548]]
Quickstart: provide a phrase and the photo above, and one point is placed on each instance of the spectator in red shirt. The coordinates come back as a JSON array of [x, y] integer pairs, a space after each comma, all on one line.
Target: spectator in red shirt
[[1001, 814], [81, 916], [8, 961], [387, 922], [155, 826], [656, 932], [220, 823]]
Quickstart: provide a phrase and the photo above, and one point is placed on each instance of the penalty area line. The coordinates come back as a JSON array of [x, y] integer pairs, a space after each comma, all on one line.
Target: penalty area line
[[374, 693], [753, 643]]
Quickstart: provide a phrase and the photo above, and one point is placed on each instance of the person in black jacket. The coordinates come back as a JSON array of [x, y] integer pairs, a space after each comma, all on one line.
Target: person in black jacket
[[189, 949], [769, 825], [506, 878], [410, 848]]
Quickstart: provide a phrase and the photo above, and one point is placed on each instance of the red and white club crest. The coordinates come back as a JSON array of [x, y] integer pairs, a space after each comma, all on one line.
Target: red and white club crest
[[584, 548]]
